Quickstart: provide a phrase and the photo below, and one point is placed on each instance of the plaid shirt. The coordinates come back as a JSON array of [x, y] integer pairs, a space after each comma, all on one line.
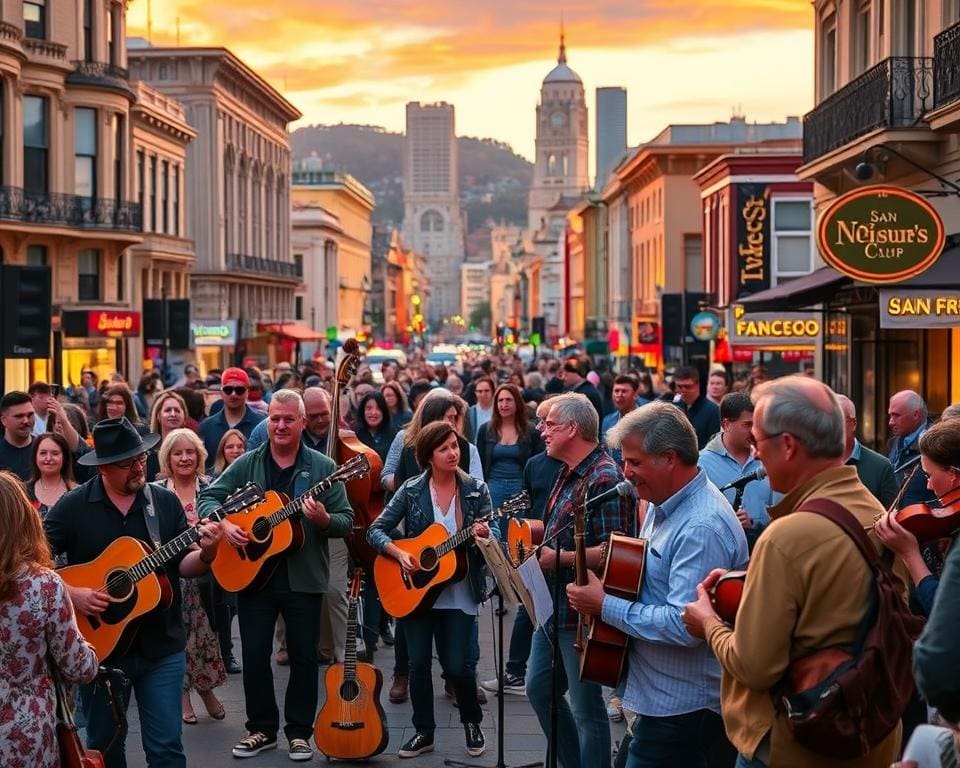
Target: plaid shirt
[[592, 476]]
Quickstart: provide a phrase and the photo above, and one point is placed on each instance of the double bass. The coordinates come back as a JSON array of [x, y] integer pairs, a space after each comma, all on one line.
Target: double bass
[[365, 494]]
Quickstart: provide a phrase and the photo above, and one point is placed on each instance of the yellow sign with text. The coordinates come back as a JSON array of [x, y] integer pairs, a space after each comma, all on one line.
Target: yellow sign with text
[[919, 308]]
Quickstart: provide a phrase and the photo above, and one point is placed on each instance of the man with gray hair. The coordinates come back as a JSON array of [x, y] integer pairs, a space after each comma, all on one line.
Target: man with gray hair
[[571, 434], [874, 469], [908, 420], [674, 680], [808, 587]]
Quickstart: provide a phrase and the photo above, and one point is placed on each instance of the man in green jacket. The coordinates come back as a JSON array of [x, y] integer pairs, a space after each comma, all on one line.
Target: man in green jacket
[[295, 588]]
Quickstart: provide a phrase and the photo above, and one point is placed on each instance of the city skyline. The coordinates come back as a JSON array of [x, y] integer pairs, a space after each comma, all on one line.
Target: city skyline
[[361, 64]]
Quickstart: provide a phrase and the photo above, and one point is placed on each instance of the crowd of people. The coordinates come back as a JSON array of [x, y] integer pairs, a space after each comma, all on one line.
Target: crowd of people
[[724, 476]]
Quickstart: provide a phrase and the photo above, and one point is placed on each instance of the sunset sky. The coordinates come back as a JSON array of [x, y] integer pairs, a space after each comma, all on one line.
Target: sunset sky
[[360, 62]]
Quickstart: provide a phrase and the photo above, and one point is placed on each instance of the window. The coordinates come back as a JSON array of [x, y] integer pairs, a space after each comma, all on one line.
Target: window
[[85, 152], [792, 239], [141, 176], [88, 31], [35, 19], [861, 40], [36, 255], [431, 221], [88, 271], [298, 264], [111, 38], [298, 307], [153, 193], [951, 12], [176, 200], [35, 132], [118, 154], [828, 56], [164, 196]]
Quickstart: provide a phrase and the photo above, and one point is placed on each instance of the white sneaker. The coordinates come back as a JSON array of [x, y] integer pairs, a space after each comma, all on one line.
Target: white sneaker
[[512, 684]]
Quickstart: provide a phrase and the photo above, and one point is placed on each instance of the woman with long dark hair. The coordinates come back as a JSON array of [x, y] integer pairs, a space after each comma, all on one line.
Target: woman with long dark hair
[[117, 401], [374, 427], [396, 398], [52, 471]]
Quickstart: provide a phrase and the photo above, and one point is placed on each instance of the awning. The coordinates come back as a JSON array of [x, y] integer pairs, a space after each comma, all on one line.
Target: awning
[[295, 331], [805, 291], [945, 273]]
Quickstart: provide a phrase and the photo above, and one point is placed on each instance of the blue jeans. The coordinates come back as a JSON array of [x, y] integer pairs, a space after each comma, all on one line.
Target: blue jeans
[[452, 631], [158, 686], [664, 742], [583, 739], [521, 639], [745, 762]]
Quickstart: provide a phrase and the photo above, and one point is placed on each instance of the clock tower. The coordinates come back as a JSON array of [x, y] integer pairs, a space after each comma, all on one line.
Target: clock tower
[[560, 168]]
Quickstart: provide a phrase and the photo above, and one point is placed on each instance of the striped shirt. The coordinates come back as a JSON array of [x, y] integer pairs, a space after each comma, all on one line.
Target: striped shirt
[[688, 535]]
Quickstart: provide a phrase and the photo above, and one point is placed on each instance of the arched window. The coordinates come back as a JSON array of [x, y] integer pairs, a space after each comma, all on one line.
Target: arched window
[[431, 221], [553, 167]]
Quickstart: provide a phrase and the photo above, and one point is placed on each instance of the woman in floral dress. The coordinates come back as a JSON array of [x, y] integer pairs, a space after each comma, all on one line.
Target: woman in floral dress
[[36, 621], [182, 458]]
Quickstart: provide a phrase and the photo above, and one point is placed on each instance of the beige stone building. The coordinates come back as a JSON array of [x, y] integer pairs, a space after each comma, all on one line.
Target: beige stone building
[[65, 194], [238, 182], [337, 271]]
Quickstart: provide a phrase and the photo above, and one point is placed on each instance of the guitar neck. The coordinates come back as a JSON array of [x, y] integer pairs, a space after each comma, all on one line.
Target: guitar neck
[[350, 648], [160, 557], [295, 507]]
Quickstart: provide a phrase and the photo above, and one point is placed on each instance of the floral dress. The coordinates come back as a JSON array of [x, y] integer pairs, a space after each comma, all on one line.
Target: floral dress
[[205, 668], [37, 621]]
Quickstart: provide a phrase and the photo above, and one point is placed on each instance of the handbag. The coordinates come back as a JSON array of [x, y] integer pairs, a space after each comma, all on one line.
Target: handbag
[[72, 752], [843, 702]]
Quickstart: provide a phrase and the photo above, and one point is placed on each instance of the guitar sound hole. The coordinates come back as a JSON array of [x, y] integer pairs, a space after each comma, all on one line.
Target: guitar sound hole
[[349, 690], [260, 528], [119, 585], [428, 559]]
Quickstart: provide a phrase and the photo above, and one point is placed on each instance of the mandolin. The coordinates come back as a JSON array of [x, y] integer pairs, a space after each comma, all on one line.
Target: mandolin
[[352, 725], [272, 532], [726, 595], [441, 561], [523, 536], [603, 654], [128, 572]]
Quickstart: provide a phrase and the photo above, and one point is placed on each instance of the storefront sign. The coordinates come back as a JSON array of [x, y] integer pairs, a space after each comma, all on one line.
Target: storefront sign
[[781, 328], [213, 333], [704, 326], [880, 235], [100, 323], [919, 308], [753, 238]]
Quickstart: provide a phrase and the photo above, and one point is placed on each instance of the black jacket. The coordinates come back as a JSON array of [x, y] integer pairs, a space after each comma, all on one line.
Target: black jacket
[[530, 444], [704, 415]]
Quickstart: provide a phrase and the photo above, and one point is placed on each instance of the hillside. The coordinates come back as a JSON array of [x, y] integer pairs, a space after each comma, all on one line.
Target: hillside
[[493, 179]]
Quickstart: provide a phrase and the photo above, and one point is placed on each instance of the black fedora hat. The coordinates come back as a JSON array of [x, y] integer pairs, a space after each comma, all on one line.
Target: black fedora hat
[[116, 440]]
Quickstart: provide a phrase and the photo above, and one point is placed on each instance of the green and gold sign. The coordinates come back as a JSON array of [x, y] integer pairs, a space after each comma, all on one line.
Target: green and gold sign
[[880, 235]]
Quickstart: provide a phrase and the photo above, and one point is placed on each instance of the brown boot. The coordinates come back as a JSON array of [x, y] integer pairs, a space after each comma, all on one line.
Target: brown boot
[[399, 690]]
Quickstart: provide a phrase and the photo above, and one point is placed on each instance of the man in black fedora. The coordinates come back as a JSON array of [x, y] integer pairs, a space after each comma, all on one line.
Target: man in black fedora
[[117, 502]]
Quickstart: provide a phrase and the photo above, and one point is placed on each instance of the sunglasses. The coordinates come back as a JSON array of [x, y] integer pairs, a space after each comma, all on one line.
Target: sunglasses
[[233, 390]]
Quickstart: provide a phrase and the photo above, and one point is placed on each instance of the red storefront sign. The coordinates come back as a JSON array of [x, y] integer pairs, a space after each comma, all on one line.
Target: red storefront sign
[[112, 323]]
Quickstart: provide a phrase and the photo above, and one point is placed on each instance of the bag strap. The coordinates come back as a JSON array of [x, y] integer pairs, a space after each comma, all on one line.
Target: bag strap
[[150, 516], [64, 710], [840, 516]]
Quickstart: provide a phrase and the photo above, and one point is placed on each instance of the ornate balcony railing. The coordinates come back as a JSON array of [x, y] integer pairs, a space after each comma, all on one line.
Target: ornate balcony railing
[[45, 48], [257, 264], [73, 211], [946, 66], [896, 93], [10, 33], [100, 74]]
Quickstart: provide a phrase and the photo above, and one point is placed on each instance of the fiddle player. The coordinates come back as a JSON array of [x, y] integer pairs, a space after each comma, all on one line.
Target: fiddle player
[[571, 434], [295, 589], [674, 680]]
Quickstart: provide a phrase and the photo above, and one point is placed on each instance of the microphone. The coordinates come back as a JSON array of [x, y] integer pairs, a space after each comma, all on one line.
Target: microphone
[[741, 482], [623, 488]]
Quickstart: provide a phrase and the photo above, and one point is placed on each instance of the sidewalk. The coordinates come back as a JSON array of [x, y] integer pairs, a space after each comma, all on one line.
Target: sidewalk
[[208, 743]]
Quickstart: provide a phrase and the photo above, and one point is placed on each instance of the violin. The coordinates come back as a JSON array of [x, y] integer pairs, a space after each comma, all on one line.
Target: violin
[[365, 494], [928, 522], [726, 595]]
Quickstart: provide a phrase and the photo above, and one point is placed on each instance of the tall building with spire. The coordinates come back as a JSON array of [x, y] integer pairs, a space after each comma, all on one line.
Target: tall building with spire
[[560, 171], [432, 218]]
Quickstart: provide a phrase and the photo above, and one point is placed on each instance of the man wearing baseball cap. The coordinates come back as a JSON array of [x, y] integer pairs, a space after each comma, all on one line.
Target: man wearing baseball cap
[[236, 414]]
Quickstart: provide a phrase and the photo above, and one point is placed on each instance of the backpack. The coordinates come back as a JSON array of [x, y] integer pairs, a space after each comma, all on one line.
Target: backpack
[[842, 702]]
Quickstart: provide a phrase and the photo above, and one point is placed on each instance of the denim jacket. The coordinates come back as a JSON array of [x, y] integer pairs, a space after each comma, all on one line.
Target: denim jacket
[[412, 505]]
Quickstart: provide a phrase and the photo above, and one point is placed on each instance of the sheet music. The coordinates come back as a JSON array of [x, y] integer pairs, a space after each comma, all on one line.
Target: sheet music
[[532, 578], [499, 568]]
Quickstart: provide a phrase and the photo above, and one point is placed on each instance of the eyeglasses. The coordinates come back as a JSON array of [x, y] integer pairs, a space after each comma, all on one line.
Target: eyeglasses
[[758, 440], [234, 390], [129, 463], [549, 426]]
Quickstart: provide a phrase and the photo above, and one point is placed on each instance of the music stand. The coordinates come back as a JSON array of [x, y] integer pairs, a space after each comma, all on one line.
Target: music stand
[[499, 567]]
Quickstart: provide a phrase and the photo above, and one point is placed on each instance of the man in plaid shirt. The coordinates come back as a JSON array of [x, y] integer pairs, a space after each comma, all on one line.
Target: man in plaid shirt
[[571, 431]]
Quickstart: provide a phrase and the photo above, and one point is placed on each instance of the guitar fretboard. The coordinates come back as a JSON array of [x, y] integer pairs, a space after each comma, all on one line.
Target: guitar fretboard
[[295, 507], [350, 649], [158, 558]]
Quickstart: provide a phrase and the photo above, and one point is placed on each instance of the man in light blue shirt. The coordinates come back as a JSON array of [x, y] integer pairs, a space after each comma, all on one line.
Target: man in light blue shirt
[[730, 455], [690, 528]]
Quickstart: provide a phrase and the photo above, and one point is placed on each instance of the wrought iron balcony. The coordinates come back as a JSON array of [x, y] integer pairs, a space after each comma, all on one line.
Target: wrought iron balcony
[[240, 262], [946, 66], [61, 210], [896, 93], [100, 74]]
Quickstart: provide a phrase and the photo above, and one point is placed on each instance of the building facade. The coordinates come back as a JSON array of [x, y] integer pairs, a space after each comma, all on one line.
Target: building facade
[[611, 132], [432, 218], [238, 181], [65, 194], [314, 242]]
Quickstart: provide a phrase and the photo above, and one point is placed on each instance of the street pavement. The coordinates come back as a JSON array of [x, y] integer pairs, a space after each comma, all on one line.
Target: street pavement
[[208, 743]]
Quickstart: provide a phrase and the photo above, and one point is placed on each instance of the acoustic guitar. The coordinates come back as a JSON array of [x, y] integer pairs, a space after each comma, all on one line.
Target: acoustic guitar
[[441, 563], [352, 725], [130, 574], [603, 653], [522, 537], [726, 595], [272, 532]]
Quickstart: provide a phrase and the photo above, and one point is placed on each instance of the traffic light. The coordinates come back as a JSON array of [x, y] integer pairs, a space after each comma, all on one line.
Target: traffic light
[[27, 296]]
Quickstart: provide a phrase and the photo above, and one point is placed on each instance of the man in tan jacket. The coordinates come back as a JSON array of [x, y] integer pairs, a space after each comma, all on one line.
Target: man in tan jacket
[[807, 586]]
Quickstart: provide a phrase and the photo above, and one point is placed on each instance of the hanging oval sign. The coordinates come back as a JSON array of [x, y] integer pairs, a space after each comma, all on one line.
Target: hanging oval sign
[[880, 234]]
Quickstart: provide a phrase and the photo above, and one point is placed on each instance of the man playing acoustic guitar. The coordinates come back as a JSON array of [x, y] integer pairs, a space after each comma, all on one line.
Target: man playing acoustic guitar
[[673, 682]]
